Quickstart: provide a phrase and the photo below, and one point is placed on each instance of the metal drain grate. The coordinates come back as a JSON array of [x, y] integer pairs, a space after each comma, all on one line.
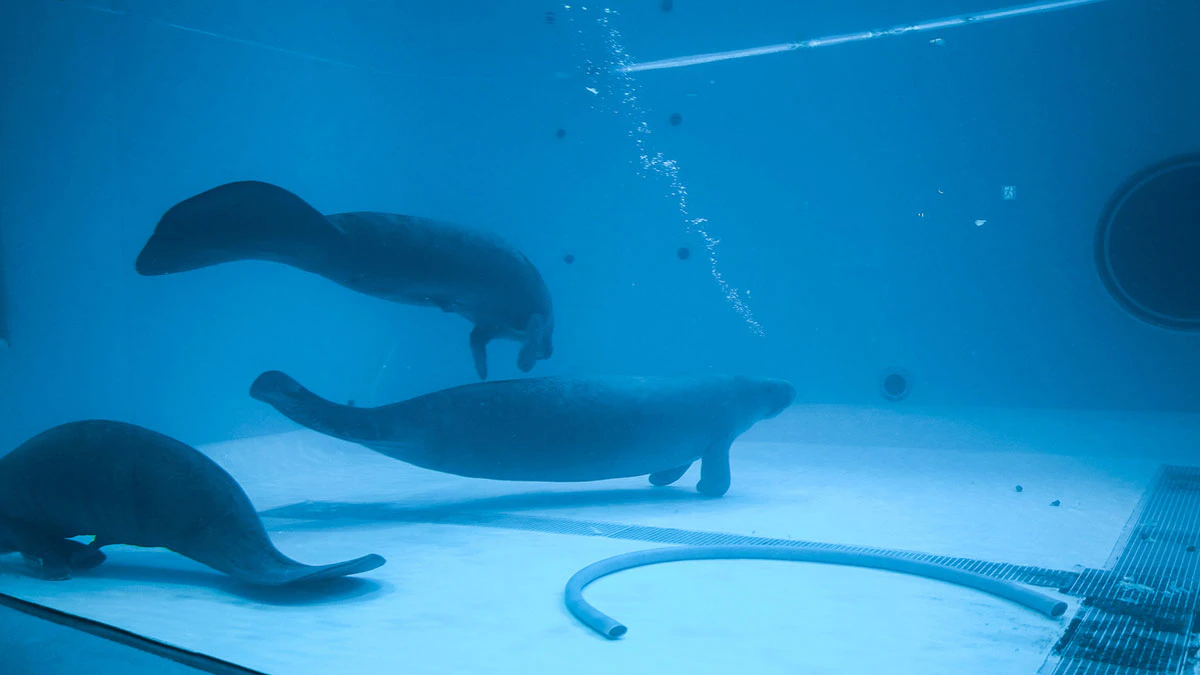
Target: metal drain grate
[[1138, 617], [1036, 576]]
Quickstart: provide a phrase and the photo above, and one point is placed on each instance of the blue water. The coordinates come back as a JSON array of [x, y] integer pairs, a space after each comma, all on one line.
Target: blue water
[[812, 169], [924, 204]]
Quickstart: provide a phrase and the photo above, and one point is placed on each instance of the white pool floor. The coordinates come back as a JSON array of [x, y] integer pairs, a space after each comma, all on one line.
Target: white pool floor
[[467, 599]]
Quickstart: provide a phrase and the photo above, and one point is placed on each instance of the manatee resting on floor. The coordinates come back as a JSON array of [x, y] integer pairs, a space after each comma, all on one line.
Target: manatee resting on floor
[[553, 428], [125, 484], [395, 257]]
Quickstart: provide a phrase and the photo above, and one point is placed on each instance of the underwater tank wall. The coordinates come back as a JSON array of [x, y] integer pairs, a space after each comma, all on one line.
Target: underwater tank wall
[[5, 336], [398, 336], [843, 183]]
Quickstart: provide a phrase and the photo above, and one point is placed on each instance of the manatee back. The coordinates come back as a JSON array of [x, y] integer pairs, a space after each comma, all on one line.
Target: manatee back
[[118, 481], [598, 424], [448, 263]]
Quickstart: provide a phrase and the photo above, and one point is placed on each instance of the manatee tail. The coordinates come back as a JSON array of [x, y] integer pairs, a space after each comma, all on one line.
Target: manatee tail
[[282, 570], [285, 394], [311, 573], [242, 549], [246, 220]]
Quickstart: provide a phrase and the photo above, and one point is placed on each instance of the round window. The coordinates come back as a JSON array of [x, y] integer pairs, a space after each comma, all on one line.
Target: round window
[[1148, 244]]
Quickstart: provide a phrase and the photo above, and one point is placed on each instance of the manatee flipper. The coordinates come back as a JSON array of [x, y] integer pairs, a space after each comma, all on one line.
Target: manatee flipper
[[714, 470], [527, 357], [661, 478], [84, 556], [245, 220], [56, 558], [51, 556], [480, 337], [54, 567]]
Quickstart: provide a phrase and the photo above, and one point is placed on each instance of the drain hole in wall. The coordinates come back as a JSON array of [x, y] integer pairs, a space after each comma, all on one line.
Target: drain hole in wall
[[894, 384]]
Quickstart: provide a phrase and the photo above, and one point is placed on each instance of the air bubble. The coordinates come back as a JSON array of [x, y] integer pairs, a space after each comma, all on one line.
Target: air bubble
[[652, 162]]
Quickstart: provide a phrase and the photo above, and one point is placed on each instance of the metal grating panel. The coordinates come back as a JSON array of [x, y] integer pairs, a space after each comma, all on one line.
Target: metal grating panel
[[1036, 576], [1138, 617]]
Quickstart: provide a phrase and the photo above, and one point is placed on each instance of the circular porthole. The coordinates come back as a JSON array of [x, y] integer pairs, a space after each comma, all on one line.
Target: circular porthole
[[1148, 244], [894, 384]]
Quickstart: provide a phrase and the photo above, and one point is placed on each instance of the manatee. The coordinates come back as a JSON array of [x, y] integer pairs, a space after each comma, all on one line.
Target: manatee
[[553, 429], [405, 259], [124, 484]]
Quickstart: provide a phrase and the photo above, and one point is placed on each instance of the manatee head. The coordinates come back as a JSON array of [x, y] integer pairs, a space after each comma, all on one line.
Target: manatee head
[[773, 396]]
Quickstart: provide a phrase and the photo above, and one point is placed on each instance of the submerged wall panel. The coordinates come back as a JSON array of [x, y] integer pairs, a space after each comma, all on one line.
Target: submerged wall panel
[[844, 185]]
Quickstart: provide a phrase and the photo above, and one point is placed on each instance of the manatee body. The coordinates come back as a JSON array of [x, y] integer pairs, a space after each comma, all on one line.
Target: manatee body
[[405, 259], [125, 484], [553, 428]]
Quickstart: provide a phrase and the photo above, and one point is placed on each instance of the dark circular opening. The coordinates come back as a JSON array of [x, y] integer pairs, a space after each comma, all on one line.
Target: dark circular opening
[[1147, 245], [894, 384]]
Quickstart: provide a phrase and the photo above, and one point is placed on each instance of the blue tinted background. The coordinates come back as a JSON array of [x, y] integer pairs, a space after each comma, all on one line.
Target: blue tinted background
[[811, 167]]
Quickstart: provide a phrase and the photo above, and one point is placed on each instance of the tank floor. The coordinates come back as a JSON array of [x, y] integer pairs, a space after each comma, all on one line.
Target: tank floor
[[34, 646], [476, 568]]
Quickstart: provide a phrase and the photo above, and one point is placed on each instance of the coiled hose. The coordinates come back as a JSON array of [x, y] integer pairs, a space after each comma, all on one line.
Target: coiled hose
[[613, 629]]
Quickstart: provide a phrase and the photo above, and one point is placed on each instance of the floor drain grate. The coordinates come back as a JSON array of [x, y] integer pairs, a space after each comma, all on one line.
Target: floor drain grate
[[1036, 576], [1138, 617]]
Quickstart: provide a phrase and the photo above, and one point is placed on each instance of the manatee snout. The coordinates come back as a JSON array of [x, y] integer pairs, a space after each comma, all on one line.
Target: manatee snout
[[779, 395], [538, 344]]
